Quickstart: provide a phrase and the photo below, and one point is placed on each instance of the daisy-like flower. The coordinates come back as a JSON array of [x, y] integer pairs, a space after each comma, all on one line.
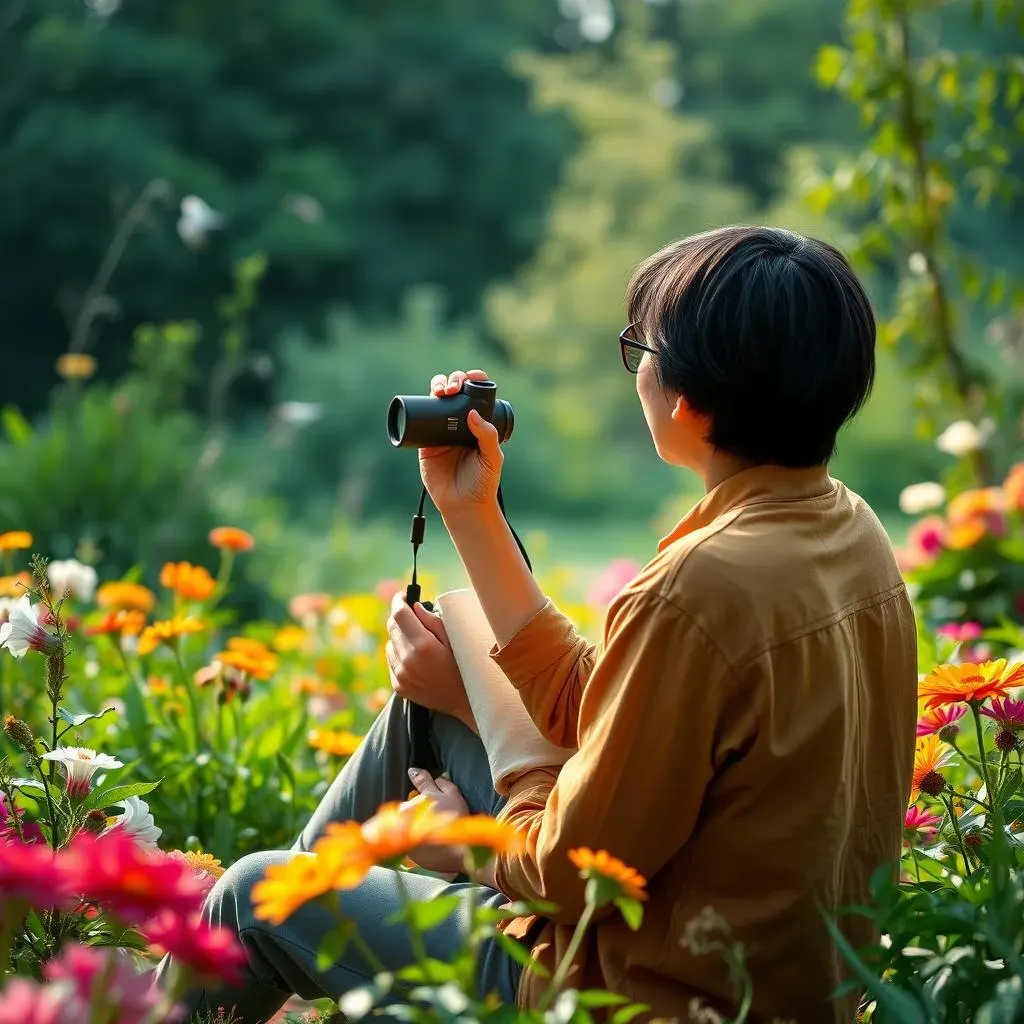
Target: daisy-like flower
[[930, 755], [192, 582], [23, 631], [214, 953], [616, 877], [969, 683], [941, 718], [135, 820], [167, 632], [1009, 713], [71, 578], [480, 831], [339, 742], [919, 821], [30, 872], [250, 656], [123, 622], [963, 437], [206, 868], [80, 764], [15, 540], [922, 497], [398, 828], [231, 538], [129, 596]]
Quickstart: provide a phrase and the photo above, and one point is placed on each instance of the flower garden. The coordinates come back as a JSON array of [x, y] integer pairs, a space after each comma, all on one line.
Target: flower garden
[[150, 739]]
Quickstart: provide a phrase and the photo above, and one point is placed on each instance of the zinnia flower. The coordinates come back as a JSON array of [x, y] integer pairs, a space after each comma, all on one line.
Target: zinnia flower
[[214, 953], [135, 820], [26, 1002], [113, 870], [71, 578], [1009, 713], [167, 632], [339, 742], [397, 828], [920, 824], [930, 755], [250, 656], [124, 622], [31, 873], [80, 764], [231, 538], [15, 540], [970, 683], [192, 582], [23, 632], [624, 880], [928, 536], [131, 596], [922, 497], [106, 977], [940, 718]]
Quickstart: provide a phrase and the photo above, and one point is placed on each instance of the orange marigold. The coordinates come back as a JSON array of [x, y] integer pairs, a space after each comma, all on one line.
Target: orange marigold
[[193, 582], [126, 595], [339, 742], [127, 622], [231, 538], [480, 830], [965, 534], [15, 540], [398, 828], [250, 656], [1013, 488], [604, 866], [969, 683], [167, 632]]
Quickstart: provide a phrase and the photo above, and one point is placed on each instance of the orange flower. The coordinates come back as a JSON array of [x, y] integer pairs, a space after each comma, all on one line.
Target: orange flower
[[340, 743], [15, 586], [158, 686], [976, 504], [204, 862], [249, 656], [127, 623], [930, 755], [398, 828], [1013, 488], [480, 830], [126, 595], [968, 683], [167, 632], [192, 582], [339, 860], [76, 365], [231, 538], [604, 866], [15, 540], [965, 534]]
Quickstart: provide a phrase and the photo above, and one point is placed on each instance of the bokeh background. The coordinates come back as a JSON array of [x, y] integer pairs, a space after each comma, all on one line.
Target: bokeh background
[[231, 231]]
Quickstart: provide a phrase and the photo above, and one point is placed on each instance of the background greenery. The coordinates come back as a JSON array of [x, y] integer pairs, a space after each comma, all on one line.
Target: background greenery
[[428, 185]]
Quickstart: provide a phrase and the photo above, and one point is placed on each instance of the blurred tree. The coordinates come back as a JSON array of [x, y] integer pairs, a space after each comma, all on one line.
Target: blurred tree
[[361, 147]]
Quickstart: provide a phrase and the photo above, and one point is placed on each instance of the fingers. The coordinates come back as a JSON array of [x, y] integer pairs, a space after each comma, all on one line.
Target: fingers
[[424, 782], [434, 623], [486, 435], [451, 383]]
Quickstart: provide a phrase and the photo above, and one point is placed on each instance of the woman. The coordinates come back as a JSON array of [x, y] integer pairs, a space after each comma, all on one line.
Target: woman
[[743, 731]]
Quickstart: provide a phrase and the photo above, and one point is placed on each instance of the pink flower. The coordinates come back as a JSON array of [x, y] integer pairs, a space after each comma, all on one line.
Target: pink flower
[[610, 583], [24, 1002], [928, 536], [211, 952], [31, 832], [107, 975], [386, 589], [132, 882], [940, 718], [961, 632], [1009, 713], [30, 872], [206, 879], [919, 822]]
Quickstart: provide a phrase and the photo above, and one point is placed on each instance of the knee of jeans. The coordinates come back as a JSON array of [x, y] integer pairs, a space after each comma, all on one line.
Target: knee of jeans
[[230, 901]]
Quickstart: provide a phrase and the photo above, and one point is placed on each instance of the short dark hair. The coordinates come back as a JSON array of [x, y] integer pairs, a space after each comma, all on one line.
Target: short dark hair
[[767, 333]]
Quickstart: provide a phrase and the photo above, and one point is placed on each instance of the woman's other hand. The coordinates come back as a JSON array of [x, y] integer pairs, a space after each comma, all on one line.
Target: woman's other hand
[[421, 664], [447, 798], [457, 477]]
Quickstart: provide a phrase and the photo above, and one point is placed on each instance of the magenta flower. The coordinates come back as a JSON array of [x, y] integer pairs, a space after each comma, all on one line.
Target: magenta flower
[[611, 582], [940, 718], [212, 952], [961, 632], [31, 873], [8, 829], [1009, 713], [24, 1002], [917, 819]]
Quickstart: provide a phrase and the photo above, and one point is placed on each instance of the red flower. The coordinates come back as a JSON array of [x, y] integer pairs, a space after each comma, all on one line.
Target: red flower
[[212, 952], [30, 872]]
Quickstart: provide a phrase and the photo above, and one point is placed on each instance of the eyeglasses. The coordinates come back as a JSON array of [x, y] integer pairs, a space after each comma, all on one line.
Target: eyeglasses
[[632, 348]]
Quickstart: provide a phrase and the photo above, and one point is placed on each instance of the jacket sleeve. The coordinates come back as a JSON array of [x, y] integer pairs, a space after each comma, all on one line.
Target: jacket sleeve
[[648, 733], [549, 663]]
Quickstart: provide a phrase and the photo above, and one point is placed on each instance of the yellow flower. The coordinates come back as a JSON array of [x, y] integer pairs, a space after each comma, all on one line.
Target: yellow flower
[[398, 828], [231, 538], [603, 865], [340, 743], [193, 582], [480, 830], [975, 504], [76, 366], [965, 534], [968, 683], [930, 755], [15, 586], [126, 595], [290, 638], [15, 540], [249, 656], [167, 632], [205, 862], [364, 610]]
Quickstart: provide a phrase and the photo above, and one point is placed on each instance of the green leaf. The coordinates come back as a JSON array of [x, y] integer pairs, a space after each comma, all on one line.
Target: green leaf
[[424, 916], [27, 784], [430, 972], [627, 1013], [520, 954], [17, 428], [632, 912], [829, 65], [598, 997], [1007, 1005], [115, 794], [286, 769], [334, 945], [76, 720]]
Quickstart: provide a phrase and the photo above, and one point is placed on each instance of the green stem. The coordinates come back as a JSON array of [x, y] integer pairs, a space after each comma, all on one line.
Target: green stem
[[54, 831], [739, 967], [415, 938], [989, 791], [976, 765], [193, 699], [956, 831], [570, 955], [227, 561]]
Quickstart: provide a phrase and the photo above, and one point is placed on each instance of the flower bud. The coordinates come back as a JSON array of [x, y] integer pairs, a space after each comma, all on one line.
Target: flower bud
[[948, 733], [934, 784], [20, 734], [1006, 740], [95, 822]]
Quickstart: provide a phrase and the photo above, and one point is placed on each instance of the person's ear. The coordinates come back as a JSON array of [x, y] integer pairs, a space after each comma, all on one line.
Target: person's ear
[[686, 416]]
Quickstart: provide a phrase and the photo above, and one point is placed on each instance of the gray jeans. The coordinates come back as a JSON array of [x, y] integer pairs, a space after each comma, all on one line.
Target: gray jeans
[[282, 959]]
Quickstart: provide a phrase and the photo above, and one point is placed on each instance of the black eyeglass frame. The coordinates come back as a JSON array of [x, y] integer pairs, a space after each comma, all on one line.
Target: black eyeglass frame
[[631, 343]]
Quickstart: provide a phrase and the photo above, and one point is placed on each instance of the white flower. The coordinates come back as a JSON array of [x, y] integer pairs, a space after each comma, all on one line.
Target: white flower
[[963, 437], [299, 413], [70, 578], [22, 632], [197, 220], [80, 764], [922, 497], [137, 821]]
